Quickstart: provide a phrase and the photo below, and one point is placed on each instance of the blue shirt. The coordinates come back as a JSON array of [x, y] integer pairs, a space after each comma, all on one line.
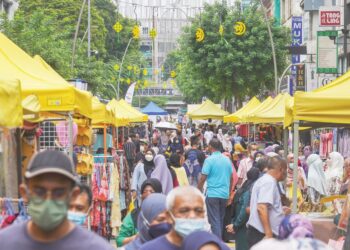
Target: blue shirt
[[218, 170], [159, 243]]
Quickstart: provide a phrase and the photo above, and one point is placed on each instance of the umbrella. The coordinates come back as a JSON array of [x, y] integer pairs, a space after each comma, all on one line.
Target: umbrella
[[166, 125]]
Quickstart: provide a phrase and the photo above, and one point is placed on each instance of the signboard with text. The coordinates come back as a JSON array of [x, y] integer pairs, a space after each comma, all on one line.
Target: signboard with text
[[327, 52], [297, 40], [330, 16], [300, 83]]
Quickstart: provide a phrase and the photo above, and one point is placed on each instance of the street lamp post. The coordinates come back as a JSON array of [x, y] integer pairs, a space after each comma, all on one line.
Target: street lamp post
[[121, 66], [272, 45]]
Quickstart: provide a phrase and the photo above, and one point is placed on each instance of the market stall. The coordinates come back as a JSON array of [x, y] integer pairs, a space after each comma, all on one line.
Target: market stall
[[238, 115], [207, 110]]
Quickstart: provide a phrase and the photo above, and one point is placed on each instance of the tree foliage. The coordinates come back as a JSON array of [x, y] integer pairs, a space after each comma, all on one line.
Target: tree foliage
[[228, 65], [47, 28]]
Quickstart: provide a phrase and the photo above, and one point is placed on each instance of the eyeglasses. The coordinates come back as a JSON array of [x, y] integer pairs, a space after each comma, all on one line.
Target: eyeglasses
[[54, 194]]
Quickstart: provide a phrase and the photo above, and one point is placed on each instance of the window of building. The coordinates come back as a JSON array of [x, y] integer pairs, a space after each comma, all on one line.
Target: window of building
[[144, 30]]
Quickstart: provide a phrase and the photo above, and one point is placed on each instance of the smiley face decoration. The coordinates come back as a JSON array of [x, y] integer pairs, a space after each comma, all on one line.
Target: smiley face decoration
[[239, 28]]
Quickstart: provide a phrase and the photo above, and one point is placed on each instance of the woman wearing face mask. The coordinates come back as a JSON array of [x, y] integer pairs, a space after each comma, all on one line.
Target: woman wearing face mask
[[334, 173], [141, 173], [257, 156], [162, 173], [128, 229], [202, 240], [240, 203], [152, 221]]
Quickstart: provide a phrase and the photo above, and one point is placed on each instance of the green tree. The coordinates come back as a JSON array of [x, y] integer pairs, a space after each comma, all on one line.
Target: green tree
[[228, 65]]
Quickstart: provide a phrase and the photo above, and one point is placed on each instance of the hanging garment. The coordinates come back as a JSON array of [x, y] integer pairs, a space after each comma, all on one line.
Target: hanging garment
[[62, 130]]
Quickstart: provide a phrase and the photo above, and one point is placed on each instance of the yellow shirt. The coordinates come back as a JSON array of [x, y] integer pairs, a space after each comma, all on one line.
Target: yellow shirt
[[181, 176]]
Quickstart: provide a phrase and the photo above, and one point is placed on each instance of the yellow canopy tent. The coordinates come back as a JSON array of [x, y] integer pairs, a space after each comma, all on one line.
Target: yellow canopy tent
[[121, 116], [328, 104], [246, 117], [100, 113], [53, 92], [237, 116], [207, 110], [273, 113], [135, 115], [11, 114], [31, 109]]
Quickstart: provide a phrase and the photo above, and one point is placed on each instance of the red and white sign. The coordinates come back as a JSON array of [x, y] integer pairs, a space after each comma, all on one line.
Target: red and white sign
[[330, 16]]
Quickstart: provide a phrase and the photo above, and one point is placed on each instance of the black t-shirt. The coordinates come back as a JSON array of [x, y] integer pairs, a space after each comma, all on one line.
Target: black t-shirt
[[16, 237]]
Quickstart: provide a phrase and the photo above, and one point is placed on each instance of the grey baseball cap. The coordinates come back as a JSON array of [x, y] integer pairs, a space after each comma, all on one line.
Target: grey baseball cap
[[50, 161]]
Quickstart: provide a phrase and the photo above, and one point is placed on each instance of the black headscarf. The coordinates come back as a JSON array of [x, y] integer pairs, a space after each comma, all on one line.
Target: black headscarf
[[175, 160], [148, 165], [252, 176], [154, 183]]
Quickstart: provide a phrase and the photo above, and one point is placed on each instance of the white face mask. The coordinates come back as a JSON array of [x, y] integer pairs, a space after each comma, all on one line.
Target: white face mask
[[149, 157]]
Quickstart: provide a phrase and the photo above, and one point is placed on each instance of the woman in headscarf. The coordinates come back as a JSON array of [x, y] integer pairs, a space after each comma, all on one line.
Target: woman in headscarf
[[334, 173], [257, 156], [179, 170], [292, 244], [307, 151], [295, 226], [152, 221], [162, 173], [240, 203], [142, 172], [316, 180], [128, 229], [201, 240]]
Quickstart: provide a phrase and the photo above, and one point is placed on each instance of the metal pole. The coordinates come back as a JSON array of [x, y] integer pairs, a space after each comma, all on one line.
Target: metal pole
[[70, 133], [345, 32], [115, 91], [76, 33], [285, 142], [295, 165], [121, 66], [272, 45], [89, 29]]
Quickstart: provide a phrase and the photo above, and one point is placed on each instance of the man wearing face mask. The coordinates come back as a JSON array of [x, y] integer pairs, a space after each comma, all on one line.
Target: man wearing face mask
[[246, 164], [49, 186], [79, 208], [186, 210]]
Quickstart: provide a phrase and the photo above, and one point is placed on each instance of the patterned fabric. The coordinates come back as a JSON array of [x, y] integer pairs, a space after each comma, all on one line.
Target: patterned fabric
[[295, 226]]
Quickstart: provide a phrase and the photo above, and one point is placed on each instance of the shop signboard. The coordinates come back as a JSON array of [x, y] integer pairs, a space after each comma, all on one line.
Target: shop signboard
[[300, 82], [330, 16], [297, 40], [327, 52]]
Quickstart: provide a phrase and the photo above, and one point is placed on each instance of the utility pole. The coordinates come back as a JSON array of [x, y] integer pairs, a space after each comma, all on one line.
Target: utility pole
[[345, 33], [153, 47], [89, 29]]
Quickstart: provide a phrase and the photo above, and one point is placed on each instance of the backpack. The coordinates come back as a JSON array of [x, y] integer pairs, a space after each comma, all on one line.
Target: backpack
[[192, 167]]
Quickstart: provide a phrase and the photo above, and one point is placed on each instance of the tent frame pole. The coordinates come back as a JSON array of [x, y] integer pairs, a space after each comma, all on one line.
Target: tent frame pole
[[285, 142], [295, 165], [70, 134]]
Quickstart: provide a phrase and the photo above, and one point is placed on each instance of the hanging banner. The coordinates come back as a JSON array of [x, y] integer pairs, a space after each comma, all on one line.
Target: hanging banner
[[130, 93], [300, 85], [297, 40]]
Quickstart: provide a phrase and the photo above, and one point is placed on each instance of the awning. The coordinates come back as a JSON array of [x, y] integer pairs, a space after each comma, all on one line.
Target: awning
[[238, 115], [135, 115], [207, 110], [11, 114], [250, 114], [52, 91], [328, 104], [273, 113], [153, 109], [100, 113]]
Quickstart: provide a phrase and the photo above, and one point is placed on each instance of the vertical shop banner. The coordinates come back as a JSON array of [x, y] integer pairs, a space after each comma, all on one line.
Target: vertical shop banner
[[297, 40], [130, 93], [300, 83], [327, 52]]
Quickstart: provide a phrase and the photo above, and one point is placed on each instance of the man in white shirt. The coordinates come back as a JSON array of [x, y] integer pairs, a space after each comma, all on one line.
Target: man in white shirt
[[208, 135], [246, 164]]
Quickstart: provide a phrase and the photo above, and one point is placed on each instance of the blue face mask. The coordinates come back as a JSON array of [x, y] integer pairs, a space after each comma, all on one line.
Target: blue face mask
[[159, 229], [185, 227], [77, 217]]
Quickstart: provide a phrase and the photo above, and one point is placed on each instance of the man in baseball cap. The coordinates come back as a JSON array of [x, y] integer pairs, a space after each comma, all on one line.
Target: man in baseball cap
[[49, 186]]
